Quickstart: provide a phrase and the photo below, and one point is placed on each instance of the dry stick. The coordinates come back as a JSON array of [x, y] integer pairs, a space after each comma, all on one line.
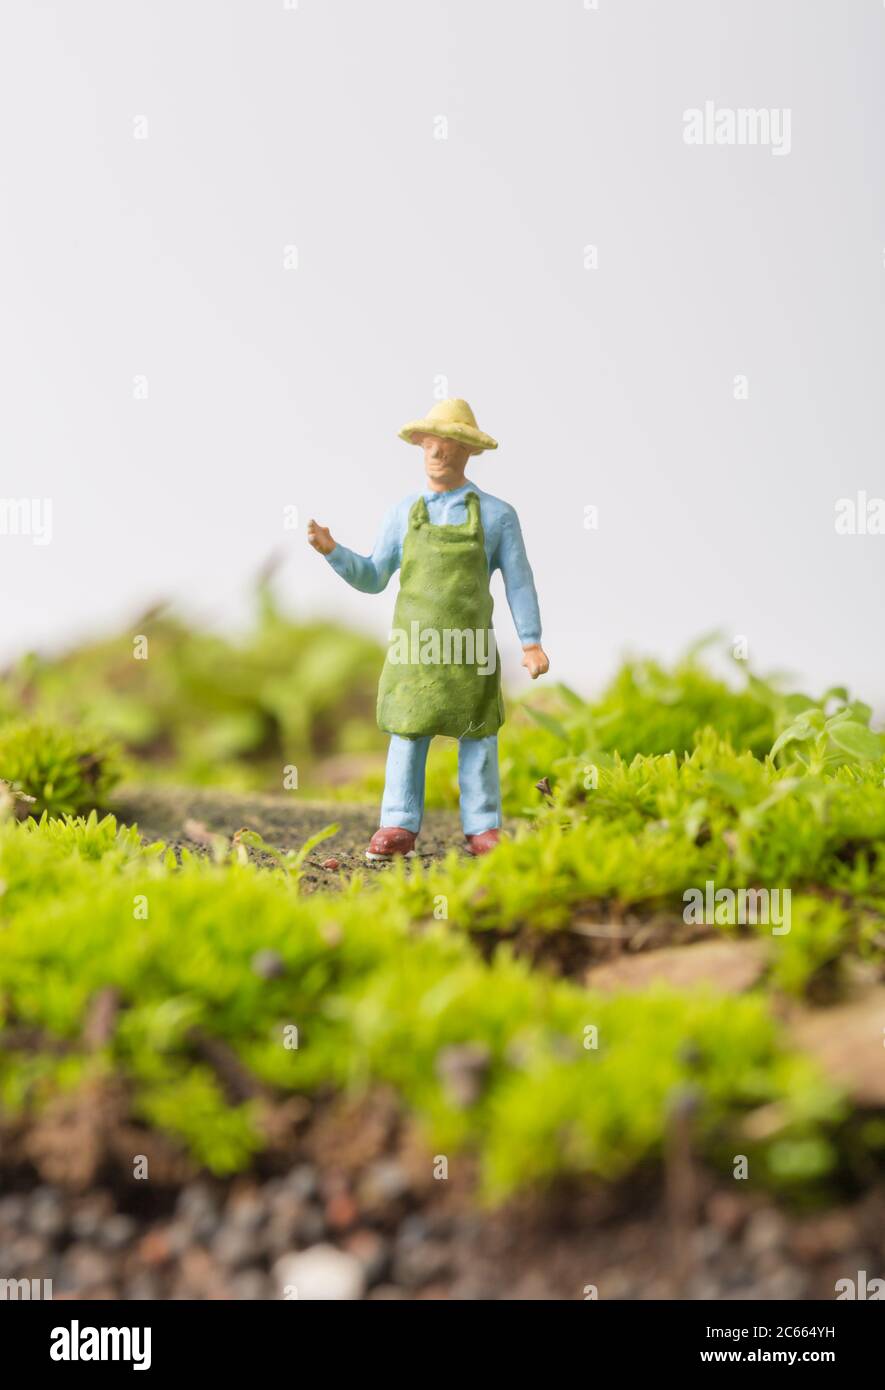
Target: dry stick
[[236, 1080], [680, 1184], [101, 1019]]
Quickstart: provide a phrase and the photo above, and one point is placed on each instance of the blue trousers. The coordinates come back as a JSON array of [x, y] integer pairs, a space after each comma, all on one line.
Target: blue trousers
[[478, 783]]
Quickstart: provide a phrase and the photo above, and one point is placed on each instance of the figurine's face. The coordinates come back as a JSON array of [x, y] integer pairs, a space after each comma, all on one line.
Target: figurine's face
[[444, 459]]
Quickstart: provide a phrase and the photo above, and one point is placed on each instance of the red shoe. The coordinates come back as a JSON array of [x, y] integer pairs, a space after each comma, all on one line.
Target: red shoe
[[391, 840], [484, 842]]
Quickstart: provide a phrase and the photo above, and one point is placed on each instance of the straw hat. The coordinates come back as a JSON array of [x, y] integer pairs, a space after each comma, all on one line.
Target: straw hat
[[452, 420]]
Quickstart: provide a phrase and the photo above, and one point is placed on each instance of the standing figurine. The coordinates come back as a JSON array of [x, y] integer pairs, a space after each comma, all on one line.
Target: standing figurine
[[441, 675]]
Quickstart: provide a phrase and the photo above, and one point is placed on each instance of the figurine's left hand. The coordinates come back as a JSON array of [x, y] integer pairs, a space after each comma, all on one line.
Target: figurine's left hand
[[535, 660]]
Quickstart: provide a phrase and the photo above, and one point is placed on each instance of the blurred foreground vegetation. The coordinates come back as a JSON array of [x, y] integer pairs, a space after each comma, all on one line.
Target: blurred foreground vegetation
[[670, 779]]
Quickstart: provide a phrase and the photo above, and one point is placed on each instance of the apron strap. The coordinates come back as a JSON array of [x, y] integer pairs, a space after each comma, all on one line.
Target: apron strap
[[474, 514]]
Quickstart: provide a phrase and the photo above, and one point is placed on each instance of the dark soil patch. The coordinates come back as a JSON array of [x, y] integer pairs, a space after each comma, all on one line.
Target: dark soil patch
[[177, 816]]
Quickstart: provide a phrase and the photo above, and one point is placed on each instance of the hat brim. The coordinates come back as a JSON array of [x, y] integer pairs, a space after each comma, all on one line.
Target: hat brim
[[475, 439]]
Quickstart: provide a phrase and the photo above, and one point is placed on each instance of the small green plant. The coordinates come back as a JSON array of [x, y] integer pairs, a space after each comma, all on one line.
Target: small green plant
[[819, 741], [290, 862]]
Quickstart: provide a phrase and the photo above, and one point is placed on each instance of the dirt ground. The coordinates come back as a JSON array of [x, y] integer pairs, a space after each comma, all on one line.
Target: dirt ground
[[182, 817]]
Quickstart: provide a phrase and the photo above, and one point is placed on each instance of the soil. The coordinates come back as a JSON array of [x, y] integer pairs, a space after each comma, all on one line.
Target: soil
[[187, 818]]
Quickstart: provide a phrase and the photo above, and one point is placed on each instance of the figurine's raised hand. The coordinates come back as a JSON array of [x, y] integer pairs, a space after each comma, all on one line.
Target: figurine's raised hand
[[320, 537], [535, 661]]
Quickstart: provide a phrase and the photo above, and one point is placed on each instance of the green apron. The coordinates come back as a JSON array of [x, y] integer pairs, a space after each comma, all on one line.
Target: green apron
[[442, 641]]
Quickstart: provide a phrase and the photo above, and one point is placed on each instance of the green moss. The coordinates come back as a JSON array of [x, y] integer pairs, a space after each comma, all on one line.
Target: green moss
[[64, 770], [373, 996], [664, 784]]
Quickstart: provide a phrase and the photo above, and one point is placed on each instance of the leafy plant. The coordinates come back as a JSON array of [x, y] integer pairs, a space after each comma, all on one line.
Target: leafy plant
[[290, 862], [819, 741]]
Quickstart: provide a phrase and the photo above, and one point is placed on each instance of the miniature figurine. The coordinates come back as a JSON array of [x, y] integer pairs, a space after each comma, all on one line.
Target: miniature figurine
[[441, 675]]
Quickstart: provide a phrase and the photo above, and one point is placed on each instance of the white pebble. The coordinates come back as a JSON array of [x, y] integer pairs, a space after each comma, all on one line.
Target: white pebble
[[322, 1272]]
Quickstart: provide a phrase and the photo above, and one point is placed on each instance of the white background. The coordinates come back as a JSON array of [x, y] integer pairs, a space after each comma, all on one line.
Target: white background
[[314, 127]]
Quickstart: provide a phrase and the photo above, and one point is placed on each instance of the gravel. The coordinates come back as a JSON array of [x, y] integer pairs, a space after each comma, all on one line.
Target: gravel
[[249, 1240]]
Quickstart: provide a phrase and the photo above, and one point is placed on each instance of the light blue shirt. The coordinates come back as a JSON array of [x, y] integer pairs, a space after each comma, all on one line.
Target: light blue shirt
[[505, 551]]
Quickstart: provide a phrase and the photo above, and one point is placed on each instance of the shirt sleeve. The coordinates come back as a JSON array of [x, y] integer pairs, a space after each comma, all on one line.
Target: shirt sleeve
[[519, 583], [371, 573]]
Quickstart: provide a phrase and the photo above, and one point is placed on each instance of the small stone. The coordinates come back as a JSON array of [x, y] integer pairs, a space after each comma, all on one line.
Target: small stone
[[13, 1210], [143, 1287], [462, 1070], [269, 965], [46, 1214], [441, 1225], [331, 864], [382, 1184], [26, 1254], [90, 1214], [117, 1232], [199, 1272], [372, 1251], [196, 1206], [155, 1247], [320, 1273], [250, 1284], [302, 1180], [413, 1230], [85, 1269], [178, 1236], [311, 1226], [764, 1233], [233, 1246], [284, 1217], [341, 1211], [246, 1209], [420, 1263]]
